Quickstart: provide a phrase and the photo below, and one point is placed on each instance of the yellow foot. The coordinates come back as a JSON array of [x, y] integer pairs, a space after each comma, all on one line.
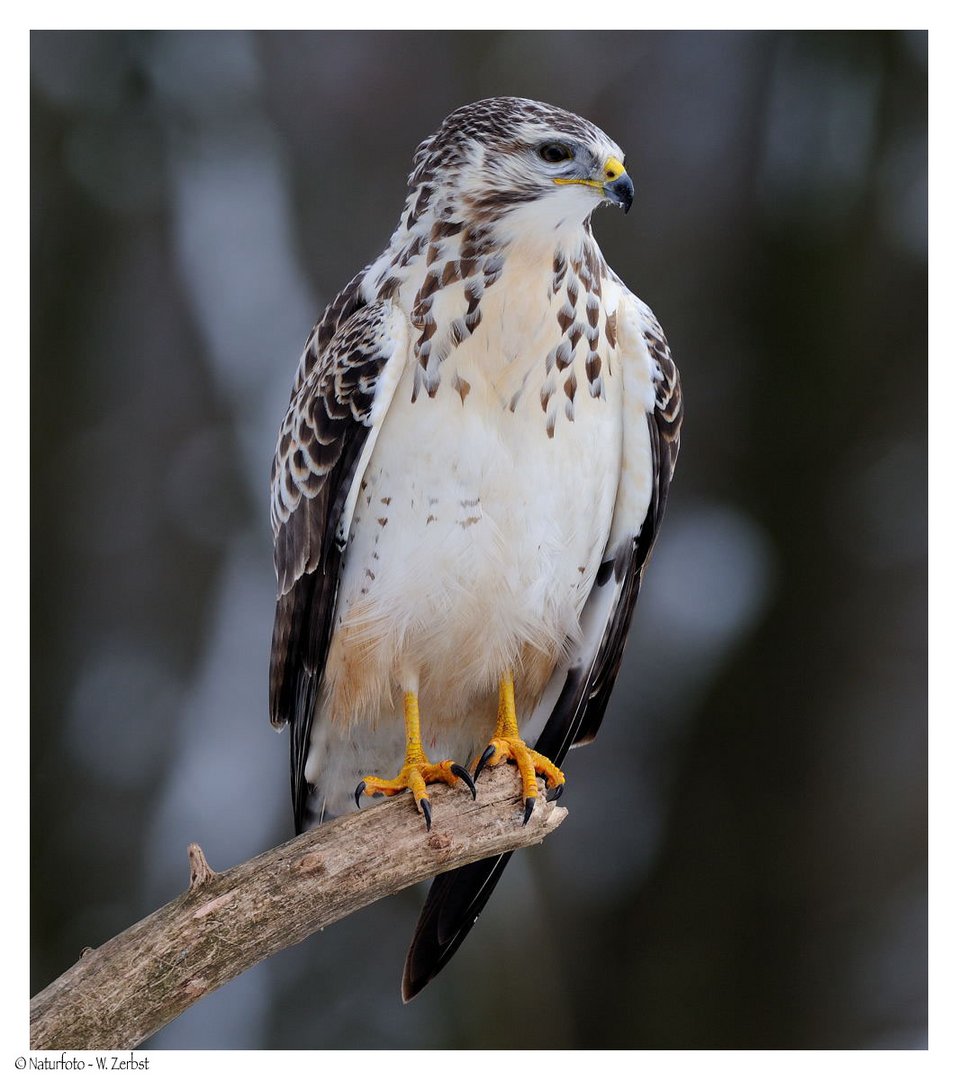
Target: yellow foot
[[530, 765], [507, 745], [414, 776], [416, 771]]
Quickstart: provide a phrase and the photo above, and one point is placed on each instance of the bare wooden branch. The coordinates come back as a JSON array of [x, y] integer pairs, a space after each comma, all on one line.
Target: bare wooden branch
[[119, 994]]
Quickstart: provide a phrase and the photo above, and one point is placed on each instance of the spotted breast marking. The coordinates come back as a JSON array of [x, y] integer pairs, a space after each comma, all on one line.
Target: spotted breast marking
[[577, 299]]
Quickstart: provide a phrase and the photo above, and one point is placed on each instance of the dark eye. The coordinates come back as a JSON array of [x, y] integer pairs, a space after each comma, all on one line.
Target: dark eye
[[554, 152]]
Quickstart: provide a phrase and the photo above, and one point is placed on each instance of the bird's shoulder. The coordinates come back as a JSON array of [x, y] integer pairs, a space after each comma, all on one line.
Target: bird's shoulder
[[346, 377]]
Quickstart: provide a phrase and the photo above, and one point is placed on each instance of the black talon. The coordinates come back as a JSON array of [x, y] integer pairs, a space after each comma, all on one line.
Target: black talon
[[553, 793], [426, 812], [483, 761], [360, 790], [458, 770], [530, 806]]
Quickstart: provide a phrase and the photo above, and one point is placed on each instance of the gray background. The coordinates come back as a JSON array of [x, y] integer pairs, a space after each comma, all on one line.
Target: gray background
[[744, 864]]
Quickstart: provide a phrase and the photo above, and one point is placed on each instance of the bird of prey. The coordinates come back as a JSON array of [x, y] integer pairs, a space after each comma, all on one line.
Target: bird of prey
[[467, 486]]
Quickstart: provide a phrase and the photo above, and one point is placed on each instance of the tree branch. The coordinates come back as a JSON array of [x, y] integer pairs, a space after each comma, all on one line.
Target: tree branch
[[119, 994]]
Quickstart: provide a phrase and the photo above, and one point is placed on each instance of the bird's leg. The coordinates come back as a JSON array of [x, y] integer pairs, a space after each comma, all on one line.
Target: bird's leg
[[417, 770], [507, 744]]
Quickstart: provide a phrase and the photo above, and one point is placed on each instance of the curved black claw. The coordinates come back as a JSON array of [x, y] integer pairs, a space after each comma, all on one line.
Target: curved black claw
[[458, 770], [426, 812], [530, 806], [553, 794], [483, 761], [359, 790]]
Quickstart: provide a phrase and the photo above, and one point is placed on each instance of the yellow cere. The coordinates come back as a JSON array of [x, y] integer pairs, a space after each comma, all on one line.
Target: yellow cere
[[611, 171]]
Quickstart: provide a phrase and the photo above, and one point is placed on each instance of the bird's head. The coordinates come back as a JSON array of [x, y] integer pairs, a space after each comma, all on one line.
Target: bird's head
[[523, 162]]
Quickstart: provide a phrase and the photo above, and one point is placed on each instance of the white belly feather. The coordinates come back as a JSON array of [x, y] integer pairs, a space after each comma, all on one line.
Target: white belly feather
[[475, 542]]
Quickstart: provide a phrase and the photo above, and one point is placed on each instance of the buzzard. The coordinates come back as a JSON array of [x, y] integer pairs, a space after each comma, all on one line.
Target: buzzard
[[467, 485]]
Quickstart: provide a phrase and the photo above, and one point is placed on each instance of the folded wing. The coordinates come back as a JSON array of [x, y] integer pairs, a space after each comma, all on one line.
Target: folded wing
[[347, 377]]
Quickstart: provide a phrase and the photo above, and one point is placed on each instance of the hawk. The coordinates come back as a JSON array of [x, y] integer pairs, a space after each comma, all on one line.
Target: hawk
[[467, 486]]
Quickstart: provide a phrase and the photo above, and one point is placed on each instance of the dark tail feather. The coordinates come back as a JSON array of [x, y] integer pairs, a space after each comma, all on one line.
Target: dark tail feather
[[455, 901]]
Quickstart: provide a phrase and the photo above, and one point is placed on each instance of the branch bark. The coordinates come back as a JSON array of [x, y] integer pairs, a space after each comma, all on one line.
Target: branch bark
[[119, 994]]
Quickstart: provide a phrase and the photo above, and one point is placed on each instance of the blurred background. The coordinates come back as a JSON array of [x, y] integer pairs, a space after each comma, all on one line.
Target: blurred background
[[744, 864]]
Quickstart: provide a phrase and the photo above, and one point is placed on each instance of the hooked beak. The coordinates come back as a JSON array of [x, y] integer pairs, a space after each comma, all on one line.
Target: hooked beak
[[618, 187], [620, 191]]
